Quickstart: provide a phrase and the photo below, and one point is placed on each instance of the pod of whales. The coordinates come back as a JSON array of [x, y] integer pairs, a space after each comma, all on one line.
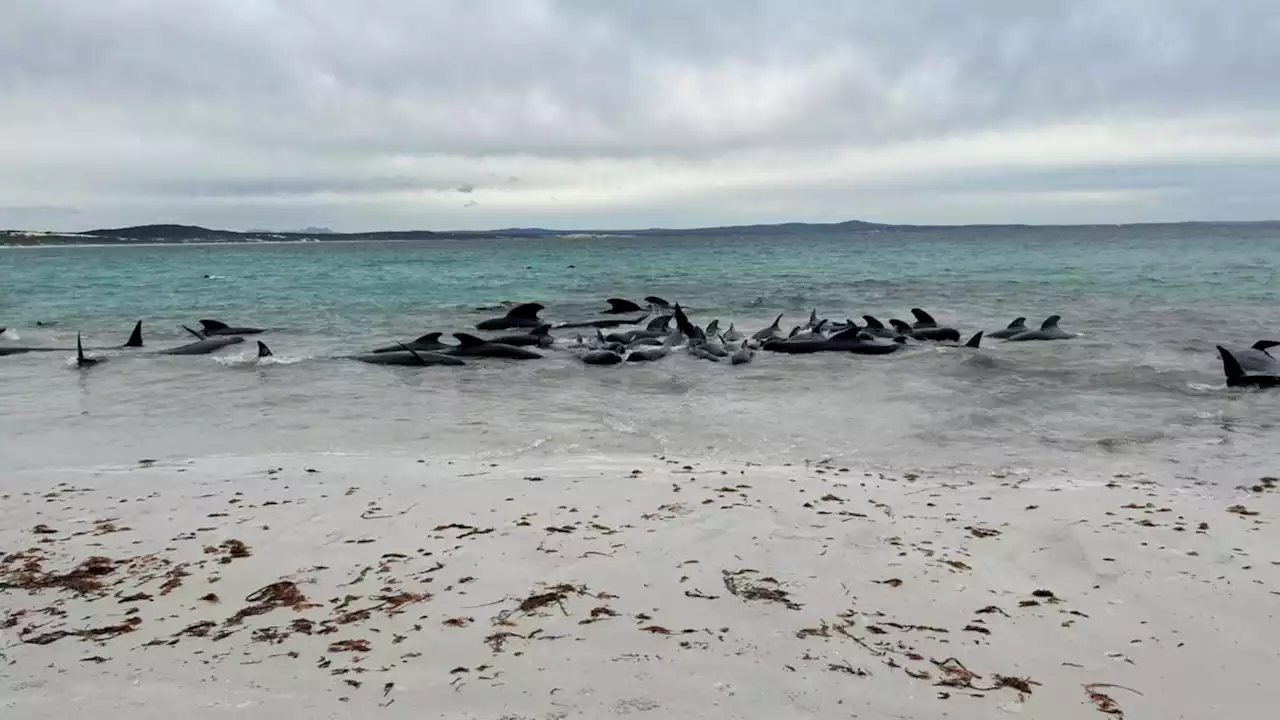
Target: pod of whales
[[1251, 367]]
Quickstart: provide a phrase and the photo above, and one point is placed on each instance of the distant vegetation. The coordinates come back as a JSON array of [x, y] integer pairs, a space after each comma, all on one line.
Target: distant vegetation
[[194, 233]]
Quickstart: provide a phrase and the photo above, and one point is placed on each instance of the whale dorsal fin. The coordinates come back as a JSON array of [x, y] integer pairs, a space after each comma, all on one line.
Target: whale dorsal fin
[[794, 331], [776, 321], [975, 341], [431, 337], [193, 332], [1050, 322], [900, 326], [468, 340], [135, 337], [79, 351], [1230, 366], [620, 305], [527, 310], [821, 324], [873, 323], [655, 300], [1017, 324], [660, 323], [813, 317], [713, 327], [263, 350], [923, 317], [1265, 345], [213, 325]]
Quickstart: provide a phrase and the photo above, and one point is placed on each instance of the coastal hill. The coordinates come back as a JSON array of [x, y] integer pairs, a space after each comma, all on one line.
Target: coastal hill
[[172, 233], [179, 234]]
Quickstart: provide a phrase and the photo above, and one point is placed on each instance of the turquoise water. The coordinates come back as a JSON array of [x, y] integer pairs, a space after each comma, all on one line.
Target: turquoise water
[[1140, 387]]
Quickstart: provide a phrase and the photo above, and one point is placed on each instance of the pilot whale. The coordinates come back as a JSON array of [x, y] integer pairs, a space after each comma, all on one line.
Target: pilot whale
[[525, 316]]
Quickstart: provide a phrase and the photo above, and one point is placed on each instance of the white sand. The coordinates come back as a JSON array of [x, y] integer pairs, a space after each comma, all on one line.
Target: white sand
[[1183, 618]]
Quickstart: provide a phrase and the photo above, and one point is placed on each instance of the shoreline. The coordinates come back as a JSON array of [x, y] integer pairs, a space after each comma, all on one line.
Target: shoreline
[[543, 587]]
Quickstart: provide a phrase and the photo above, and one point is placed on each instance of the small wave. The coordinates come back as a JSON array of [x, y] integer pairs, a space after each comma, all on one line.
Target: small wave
[[241, 361]]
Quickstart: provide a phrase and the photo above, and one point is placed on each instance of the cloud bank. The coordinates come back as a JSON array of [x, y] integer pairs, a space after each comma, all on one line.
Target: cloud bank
[[578, 113]]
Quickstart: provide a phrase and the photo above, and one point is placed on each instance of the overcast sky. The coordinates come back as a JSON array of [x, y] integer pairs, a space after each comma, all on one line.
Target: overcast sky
[[444, 114]]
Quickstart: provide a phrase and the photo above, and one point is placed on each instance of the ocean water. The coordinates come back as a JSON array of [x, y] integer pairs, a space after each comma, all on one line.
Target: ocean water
[[1139, 391]]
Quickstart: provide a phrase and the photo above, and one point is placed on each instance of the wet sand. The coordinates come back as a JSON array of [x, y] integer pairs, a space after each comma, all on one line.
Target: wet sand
[[338, 586]]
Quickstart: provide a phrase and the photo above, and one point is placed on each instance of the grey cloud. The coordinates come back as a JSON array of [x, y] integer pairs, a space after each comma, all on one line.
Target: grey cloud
[[136, 105]]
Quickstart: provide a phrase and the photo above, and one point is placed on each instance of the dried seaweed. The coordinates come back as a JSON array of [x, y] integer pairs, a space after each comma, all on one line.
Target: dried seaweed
[[1104, 702], [763, 589], [85, 578], [357, 645]]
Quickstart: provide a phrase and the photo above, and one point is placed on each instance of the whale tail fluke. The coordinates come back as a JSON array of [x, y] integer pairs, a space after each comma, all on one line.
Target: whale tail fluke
[[975, 341], [135, 338]]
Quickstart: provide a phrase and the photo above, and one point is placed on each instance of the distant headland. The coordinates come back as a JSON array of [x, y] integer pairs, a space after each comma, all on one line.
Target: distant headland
[[192, 234]]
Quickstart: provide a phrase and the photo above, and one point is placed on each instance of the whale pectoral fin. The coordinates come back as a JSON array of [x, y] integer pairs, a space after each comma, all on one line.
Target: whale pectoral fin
[[1050, 322], [193, 332], [873, 323], [135, 338], [1265, 345], [527, 310], [411, 352], [467, 340], [263, 350], [1017, 324], [213, 325], [1230, 365], [975, 341]]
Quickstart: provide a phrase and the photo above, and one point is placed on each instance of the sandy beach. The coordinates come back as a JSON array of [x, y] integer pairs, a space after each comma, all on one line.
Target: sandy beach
[[340, 586]]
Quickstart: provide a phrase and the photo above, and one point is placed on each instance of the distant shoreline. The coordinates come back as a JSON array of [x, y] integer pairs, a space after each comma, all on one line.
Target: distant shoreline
[[153, 235]]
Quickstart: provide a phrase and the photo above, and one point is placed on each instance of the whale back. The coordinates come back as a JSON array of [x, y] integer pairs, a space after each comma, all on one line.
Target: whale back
[[528, 311]]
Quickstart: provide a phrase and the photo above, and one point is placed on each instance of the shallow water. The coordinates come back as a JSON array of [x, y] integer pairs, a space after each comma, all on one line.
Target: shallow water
[[1140, 389]]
